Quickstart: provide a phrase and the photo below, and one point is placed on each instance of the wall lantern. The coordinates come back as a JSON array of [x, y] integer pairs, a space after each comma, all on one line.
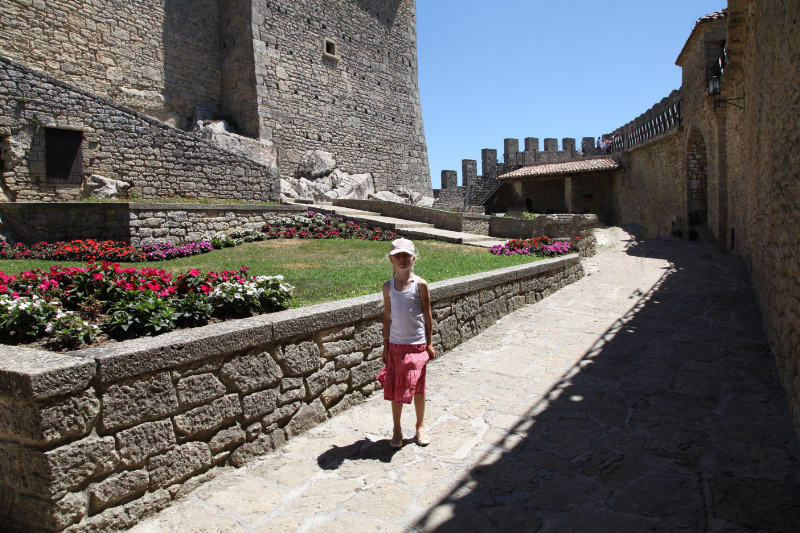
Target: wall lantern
[[713, 86], [714, 90]]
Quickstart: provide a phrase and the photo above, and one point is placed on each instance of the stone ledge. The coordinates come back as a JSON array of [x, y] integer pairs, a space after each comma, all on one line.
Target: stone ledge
[[39, 374]]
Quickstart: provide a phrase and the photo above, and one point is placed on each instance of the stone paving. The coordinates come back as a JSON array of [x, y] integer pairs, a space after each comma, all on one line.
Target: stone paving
[[641, 398]]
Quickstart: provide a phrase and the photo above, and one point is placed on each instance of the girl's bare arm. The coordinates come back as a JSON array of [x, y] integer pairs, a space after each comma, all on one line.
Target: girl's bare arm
[[387, 319], [427, 315]]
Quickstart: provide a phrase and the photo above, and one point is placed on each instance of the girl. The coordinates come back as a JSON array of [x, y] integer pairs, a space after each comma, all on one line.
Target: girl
[[407, 346]]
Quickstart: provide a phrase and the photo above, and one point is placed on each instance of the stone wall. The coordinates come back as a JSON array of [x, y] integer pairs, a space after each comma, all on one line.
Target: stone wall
[[156, 159], [131, 222], [96, 439], [264, 65], [652, 191], [159, 58], [762, 166], [448, 220], [559, 226], [362, 104]]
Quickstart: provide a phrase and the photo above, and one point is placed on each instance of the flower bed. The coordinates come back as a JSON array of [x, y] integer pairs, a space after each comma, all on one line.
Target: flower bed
[[313, 225], [310, 225], [77, 250], [544, 246], [65, 307]]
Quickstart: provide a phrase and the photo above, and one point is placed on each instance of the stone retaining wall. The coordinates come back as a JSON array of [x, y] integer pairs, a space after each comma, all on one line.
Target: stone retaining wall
[[158, 161], [135, 223], [94, 440], [559, 226]]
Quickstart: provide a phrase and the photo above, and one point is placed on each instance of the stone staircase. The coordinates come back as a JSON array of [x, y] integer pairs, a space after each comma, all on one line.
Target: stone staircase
[[408, 228]]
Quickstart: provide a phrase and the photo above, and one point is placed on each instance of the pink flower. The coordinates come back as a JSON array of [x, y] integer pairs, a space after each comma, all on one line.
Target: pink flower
[[98, 276], [194, 272]]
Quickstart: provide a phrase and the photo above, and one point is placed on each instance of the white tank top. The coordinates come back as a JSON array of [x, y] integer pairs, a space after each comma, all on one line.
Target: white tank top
[[408, 324]]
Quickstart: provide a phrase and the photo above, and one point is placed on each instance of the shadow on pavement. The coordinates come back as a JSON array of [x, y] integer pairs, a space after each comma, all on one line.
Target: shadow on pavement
[[361, 450], [673, 420]]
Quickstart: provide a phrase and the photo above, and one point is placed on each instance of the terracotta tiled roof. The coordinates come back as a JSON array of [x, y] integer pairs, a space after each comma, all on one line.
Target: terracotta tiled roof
[[711, 17], [567, 167]]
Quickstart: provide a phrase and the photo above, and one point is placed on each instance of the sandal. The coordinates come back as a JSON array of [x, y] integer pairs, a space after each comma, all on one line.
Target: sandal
[[396, 442], [422, 438]]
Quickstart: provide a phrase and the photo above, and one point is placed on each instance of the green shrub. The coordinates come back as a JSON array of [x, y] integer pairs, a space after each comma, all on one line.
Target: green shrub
[[528, 216], [139, 313]]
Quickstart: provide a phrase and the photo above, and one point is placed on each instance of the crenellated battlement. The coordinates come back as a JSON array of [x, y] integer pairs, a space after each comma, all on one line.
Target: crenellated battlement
[[474, 185], [658, 120]]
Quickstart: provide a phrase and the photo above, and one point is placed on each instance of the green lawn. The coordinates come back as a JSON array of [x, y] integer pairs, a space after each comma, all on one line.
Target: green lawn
[[324, 270]]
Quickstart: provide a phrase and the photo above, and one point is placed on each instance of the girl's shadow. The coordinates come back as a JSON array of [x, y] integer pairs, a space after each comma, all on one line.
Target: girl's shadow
[[361, 450]]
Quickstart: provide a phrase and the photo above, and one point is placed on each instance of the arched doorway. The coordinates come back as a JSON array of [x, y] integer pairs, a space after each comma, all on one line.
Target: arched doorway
[[697, 185]]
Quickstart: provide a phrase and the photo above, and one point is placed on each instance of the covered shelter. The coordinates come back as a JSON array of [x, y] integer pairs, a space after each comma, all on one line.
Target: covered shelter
[[586, 185]]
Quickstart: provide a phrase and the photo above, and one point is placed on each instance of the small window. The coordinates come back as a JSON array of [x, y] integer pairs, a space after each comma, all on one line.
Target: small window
[[63, 155], [330, 50]]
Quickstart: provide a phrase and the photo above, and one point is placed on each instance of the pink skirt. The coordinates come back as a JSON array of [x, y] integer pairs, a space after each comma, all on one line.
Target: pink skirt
[[403, 375]]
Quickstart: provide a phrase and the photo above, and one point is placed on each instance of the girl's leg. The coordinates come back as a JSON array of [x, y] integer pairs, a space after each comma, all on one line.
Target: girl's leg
[[419, 407], [397, 410]]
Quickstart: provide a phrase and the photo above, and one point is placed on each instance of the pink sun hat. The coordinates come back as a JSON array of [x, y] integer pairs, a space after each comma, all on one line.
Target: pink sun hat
[[402, 246]]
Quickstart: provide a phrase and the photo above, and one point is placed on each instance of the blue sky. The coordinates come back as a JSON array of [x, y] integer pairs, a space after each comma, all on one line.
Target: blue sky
[[526, 68]]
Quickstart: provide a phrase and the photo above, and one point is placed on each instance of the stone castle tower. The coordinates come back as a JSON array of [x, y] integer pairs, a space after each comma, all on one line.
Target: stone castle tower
[[332, 75]]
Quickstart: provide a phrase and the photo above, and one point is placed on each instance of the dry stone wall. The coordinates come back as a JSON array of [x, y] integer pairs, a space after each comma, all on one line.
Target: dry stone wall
[[94, 440], [156, 159], [160, 58]]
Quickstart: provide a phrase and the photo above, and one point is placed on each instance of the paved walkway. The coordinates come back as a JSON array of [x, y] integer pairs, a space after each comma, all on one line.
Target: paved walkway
[[642, 398], [410, 228]]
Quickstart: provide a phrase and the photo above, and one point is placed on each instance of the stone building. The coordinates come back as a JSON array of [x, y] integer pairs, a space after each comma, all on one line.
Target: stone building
[[337, 76]]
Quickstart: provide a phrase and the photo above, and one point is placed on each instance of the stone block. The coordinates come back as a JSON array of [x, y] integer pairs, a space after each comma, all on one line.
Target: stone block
[[347, 402], [291, 396], [138, 400], [251, 371], [125, 516], [291, 383], [332, 349], [259, 404], [51, 516], [206, 417], [26, 373], [300, 322], [198, 389], [467, 307], [226, 438], [69, 417], [116, 488], [365, 373], [369, 335], [178, 464], [449, 333], [299, 359], [140, 442], [261, 446], [348, 360], [50, 474], [317, 382], [333, 394], [308, 416], [336, 334], [281, 414]]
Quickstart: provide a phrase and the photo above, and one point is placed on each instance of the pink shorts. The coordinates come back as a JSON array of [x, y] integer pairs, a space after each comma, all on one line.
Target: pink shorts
[[403, 375]]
